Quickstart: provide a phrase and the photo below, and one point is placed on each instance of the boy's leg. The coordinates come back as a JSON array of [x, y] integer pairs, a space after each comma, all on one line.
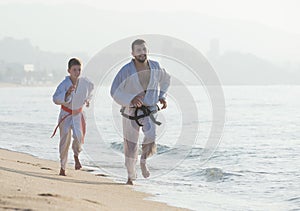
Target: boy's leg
[[76, 146], [148, 145], [131, 135], [65, 139], [77, 137]]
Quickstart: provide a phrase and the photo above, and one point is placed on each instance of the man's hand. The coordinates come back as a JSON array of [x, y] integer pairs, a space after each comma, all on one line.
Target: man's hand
[[162, 101], [137, 101]]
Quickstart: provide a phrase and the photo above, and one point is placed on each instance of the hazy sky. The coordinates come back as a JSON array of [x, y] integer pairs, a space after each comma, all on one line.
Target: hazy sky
[[283, 14], [269, 29]]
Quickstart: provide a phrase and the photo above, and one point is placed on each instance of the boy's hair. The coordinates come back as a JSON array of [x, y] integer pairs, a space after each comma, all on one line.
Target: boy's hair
[[73, 61], [137, 42]]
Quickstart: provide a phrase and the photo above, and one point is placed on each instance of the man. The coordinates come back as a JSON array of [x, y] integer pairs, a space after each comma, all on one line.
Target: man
[[138, 87]]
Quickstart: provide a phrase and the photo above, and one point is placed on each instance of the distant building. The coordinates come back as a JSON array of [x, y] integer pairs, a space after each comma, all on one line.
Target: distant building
[[214, 50], [28, 69]]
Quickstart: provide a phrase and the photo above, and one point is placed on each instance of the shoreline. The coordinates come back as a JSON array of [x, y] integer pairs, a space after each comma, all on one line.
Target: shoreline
[[32, 183], [54, 84], [9, 85]]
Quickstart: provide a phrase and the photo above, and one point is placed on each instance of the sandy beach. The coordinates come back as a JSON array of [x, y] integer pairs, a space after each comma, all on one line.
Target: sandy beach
[[29, 183]]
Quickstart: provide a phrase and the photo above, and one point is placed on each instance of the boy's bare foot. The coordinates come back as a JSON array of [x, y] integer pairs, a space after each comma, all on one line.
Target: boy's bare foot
[[77, 163], [62, 172], [145, 170], [129, 182]]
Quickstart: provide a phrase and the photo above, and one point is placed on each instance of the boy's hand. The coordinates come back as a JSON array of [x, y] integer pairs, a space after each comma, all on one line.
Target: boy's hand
[[162, 101], [70, 90]]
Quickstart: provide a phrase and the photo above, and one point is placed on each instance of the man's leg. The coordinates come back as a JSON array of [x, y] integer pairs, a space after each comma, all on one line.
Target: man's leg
[[131, 154], [131, 135], [148, 146]]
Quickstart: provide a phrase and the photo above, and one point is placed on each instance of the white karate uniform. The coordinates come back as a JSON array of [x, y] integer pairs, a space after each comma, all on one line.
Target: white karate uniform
[[125, 87], [74, 101]]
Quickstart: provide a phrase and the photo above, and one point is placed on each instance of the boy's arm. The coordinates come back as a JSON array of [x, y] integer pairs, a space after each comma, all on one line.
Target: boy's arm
[[90, 94], [60, 97]]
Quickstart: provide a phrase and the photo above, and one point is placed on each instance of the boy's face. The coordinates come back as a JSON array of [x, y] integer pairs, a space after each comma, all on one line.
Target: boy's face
[[75, 71]]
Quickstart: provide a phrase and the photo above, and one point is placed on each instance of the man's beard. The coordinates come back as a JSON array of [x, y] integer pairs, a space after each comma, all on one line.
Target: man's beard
[[141, 58]]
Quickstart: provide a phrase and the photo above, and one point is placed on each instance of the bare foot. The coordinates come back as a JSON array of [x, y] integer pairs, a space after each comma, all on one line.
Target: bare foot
[[62, 172], [77, 163], [129, 182], [145, 170]]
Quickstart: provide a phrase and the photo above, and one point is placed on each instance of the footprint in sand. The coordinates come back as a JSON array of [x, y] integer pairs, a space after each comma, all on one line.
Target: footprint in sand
[[45, 168], [48, 194], [101, 175], [33, 164], [87, 170], [95, 202]]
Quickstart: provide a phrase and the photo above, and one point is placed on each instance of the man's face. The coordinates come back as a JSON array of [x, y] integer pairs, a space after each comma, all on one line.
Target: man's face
[[140, 52], [75, 71]]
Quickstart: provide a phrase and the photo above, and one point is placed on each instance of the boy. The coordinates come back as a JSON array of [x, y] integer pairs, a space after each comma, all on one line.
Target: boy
[[72, 94]]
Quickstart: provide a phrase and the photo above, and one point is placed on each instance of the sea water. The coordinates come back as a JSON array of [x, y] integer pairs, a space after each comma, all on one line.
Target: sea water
[[254, 167]]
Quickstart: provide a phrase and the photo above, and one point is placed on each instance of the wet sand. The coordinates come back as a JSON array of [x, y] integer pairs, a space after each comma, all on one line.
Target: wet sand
[[29, 183]]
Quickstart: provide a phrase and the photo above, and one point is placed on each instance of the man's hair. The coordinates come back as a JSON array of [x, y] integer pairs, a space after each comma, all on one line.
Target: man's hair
[[137, 42], [74, 61]]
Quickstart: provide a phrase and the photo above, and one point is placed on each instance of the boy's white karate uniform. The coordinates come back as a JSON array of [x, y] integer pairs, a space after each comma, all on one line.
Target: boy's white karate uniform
[[74, 101], [125, 87]]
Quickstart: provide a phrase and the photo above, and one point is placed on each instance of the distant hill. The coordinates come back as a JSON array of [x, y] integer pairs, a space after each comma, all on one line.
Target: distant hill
[[14, 53], [233, 68]]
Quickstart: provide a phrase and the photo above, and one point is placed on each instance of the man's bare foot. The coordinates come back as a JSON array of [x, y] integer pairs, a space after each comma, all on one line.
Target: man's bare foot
[[77, 163], [129, 182], [62, 172], [145, 170]]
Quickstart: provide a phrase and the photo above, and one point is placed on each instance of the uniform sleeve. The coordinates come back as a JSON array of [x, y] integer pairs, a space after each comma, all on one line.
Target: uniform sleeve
[[164, 84], [59, 95], [90, 91], [118, 91]]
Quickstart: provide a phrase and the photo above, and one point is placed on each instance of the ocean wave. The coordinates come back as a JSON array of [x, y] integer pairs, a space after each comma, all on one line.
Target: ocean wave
[[160, 148], [212, 174], [191, 153], [294, 199]]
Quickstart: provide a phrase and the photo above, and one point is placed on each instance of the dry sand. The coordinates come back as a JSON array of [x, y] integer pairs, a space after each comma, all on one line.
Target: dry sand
[[29, 183]]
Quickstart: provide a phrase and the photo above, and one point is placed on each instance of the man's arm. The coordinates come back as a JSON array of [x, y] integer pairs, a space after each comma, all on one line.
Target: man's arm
[[118, 91], [164, 84]]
